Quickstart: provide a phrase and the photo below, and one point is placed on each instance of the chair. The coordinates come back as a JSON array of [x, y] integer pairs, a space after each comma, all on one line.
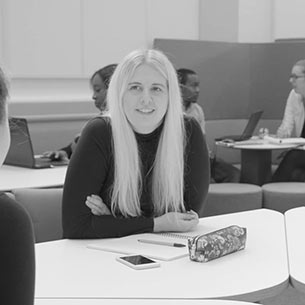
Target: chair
[[44, 207], [282, 196], [226, 198]]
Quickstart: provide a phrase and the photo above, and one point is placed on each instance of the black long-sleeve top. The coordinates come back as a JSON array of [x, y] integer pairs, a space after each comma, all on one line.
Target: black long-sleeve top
[[17, 255], [91, 171]]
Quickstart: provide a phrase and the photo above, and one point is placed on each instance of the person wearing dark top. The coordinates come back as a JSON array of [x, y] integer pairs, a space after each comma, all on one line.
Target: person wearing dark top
[[17, 255], [142, 168], [292, 166], [99, 83], [221, 171]]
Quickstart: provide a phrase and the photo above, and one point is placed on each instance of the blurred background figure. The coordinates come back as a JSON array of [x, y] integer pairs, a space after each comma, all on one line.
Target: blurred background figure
[[292, 166], [221, 171], [17, 255], [99, 83]]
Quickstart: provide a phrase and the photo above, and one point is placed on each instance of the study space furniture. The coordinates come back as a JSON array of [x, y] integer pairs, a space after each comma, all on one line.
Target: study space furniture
[[295, 228], [44, 207], [67, 269], [135, 302], [256, 159], [282, 196], [14, 177], [226, 198]]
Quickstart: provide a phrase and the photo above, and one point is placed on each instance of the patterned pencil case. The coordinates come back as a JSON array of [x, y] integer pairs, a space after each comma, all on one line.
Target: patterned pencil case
[[203, 248]]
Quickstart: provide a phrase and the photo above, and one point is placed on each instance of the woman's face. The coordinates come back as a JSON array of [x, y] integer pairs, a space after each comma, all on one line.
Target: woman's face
[[4, 138], [297, 80], [99, 92], [145, 100]]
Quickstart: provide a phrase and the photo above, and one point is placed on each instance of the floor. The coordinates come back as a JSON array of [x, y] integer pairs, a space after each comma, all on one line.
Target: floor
[[290, 296]]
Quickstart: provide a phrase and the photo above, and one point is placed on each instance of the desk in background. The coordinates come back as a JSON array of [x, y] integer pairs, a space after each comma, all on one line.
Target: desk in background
[[256, 159], [295, 228], [67, 269], [14, 177]]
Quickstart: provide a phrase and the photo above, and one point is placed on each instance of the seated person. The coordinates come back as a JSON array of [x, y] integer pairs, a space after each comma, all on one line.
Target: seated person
[[17, 256], [221, 171], [292, 166], [99, 82], [142, 168]]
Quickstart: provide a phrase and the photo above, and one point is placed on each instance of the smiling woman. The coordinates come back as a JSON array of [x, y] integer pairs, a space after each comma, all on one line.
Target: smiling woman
[[146, 99], [142, 168]]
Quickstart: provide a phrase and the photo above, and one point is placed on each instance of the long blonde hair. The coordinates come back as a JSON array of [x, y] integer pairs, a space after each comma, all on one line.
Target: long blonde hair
[[168, 169]]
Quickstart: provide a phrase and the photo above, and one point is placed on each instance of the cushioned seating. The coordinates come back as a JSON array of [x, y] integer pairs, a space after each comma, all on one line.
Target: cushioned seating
[[226, 198], [44, 207], [282, 196]]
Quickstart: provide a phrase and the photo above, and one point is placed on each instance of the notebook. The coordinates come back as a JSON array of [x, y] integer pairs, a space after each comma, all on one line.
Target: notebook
[[131, 245], [21, 151], [248, 131]]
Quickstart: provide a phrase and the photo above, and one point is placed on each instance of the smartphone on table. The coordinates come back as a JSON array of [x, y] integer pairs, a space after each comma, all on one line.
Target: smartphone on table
[[138, 262]]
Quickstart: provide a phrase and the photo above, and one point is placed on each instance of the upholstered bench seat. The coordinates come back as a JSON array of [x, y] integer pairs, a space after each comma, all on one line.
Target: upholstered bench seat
[[282, 196], [44, 207], [226, 198]]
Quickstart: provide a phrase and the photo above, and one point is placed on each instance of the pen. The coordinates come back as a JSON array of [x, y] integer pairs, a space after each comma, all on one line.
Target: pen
[[161, 243]]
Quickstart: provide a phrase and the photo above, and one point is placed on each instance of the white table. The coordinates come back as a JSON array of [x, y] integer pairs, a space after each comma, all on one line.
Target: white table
[[68, 269], [13, 177], [295, 228], [256, 159], [135, 302]]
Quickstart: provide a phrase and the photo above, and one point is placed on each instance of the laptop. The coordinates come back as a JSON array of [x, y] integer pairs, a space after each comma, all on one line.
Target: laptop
[[21, 151], [248, 131]]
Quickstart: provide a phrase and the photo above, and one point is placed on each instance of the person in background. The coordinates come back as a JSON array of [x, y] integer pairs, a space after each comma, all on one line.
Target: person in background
[[142, 168], [99, 83], [221, 171], [292, 166], [17, 255]]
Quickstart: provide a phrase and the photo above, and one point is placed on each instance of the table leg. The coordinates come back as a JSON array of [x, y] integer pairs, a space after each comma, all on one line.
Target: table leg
[[255, 166]]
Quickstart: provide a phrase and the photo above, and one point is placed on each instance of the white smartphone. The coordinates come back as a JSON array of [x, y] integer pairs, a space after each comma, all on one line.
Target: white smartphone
[[138, 262]]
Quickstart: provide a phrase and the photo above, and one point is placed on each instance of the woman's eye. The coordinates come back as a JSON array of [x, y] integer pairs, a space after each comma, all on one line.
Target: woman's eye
[[157, 89], [135, 88]]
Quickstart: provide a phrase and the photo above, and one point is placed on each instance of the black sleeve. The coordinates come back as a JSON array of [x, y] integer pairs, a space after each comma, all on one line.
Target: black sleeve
[[68, 150], [86, 175], [197, 167], [71, 147], [17, 255]]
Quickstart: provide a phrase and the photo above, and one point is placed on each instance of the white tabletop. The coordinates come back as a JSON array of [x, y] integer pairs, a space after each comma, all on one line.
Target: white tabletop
[[295, 228], [13, 177], [135, 302], [68, 269]]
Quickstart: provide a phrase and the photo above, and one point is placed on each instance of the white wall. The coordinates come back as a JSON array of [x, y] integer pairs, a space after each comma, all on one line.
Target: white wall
[[289, 21], [219, 20], [51, 48], [255, 21]]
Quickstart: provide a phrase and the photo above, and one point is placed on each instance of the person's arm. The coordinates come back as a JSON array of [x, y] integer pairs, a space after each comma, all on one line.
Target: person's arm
[[87, 172], [197, 168], [287, 125], [69, 149], [17, 255]]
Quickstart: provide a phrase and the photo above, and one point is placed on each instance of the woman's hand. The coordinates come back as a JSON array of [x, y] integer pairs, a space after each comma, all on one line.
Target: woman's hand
[[174, 221], [97, 206], [58, 155]]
